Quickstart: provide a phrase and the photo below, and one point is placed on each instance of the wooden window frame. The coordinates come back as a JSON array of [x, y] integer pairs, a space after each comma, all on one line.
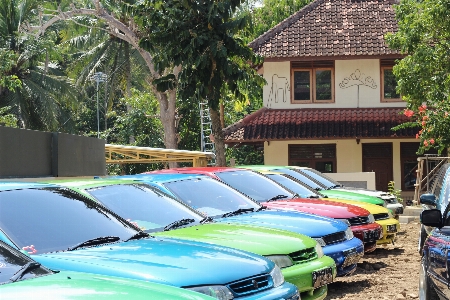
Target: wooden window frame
[[382, 68], [312, 80]]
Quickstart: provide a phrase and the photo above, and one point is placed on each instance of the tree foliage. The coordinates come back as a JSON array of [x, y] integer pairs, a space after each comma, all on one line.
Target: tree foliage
[[423, 76]]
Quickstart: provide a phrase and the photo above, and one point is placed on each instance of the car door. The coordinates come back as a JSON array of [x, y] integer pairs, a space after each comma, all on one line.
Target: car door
[[438, 263]]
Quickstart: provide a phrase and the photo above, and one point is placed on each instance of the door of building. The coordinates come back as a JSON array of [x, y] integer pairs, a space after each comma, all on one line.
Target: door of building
[[377, 157]]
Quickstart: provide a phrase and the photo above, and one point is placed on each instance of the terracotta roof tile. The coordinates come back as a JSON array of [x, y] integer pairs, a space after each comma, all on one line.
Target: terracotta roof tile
[[331, 28], [309, 123]]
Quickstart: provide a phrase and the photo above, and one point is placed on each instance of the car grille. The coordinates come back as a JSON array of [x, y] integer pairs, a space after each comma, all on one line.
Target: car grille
[[334, 238], [382, 216], [303, 255], [358, 221], [251, 285]]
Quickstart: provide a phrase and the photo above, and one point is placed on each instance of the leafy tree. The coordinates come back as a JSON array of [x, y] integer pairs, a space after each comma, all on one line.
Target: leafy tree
[[199, 37], [423, 76], [8, 81]]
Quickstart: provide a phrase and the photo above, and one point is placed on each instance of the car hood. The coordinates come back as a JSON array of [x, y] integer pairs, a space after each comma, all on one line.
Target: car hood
[[319, 207], [308, 224], [372, 208], [338, 194], [162, 260], [259, 240], [78, 285]]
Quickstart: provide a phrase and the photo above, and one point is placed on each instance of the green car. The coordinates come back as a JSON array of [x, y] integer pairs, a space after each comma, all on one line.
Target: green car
[[23, 278], [300, 258], [310, 182]]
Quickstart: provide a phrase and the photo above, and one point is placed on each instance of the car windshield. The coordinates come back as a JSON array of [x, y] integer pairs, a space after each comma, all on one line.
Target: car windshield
[[55, 219], [325, 180], [302, 178], [296, 187], [209, 196], [256, 186], [13, 262], [151, 209]]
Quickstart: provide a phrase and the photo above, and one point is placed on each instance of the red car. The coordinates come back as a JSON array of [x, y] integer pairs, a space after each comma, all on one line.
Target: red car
[[269, 193]]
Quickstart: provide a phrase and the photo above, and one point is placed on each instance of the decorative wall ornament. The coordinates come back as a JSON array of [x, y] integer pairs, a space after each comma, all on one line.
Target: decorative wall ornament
[[358, 78], [279, 90]]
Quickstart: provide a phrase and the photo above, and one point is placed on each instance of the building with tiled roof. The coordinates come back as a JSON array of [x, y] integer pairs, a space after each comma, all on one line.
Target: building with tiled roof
[[330, 101]]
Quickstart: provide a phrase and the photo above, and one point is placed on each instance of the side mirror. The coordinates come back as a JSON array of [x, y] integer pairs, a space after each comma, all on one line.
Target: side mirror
[[428, 199], [431, 217]]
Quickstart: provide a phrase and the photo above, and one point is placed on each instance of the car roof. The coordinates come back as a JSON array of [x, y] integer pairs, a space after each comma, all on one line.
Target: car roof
[[88, 182], [163, 177], [16, 185]]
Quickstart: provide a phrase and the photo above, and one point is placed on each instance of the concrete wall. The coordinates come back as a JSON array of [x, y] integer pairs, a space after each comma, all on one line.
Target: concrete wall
[[348, 154], [29, 153], [357, 83]]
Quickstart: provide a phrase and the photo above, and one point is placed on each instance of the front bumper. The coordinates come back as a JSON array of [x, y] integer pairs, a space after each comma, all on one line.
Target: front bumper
[[388, 235], [345, 254], [301, 276], [368, 234], [286, 291]]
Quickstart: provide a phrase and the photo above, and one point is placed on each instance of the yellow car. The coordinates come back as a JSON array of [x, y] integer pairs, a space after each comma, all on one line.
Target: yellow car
[[382, 215]]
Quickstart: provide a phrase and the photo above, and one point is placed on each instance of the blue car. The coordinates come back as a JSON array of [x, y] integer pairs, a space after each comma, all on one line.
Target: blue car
[[434, 281], [225, 204], [64, 230]]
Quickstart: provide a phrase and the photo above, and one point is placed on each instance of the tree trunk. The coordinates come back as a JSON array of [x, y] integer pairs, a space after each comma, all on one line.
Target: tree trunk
[[219, 143]]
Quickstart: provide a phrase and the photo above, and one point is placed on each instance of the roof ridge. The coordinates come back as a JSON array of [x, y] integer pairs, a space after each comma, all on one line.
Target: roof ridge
[[285, 23]]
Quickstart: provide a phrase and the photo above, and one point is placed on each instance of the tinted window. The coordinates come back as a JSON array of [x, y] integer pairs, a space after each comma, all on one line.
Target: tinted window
[[54, 219], [209, 196], [12, 261], [147, 206], [254, 185], [326, 181], [302, 178], [294, 186]]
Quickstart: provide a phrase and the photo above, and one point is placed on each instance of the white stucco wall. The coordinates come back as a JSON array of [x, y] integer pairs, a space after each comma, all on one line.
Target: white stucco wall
[[349, 74], [348, 152]]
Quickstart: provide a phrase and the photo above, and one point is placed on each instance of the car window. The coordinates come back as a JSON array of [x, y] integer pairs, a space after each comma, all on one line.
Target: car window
[[302, 178], [55, 219], [256, 186], [322, 178], [12, 261], [209, 196], [145, 205], [294, 186]]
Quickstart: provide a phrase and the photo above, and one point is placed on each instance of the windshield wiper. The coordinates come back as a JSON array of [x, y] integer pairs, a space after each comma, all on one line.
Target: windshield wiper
[[97, 241], [140, 234], [178, 223], [25, 269], [206, 220], [314, 196], [277, 197], [262, 207], [237, 212]]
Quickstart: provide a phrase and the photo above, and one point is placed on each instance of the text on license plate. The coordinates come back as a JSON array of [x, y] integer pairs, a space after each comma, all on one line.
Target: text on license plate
[[371, 235], [391, 228], [351, 257], [322, 277]]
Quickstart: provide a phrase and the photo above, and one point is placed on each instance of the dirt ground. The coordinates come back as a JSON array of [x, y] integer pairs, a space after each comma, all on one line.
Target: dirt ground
[[390, 272]]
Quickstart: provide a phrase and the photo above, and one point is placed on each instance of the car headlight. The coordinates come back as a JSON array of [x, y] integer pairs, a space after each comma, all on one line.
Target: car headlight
[[319, 250], [320, 241], [277, 276], [349, 234], [281, 261], [390, 214], [216, 291], [345, 221], [371, 218]]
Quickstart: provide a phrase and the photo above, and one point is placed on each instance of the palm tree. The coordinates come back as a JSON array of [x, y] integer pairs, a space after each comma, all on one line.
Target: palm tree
[[47, 98]]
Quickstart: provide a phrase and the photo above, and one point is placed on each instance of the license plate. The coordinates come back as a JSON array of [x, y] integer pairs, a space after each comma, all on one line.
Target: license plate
[[322, 277], [371, 235], [391, 228], [351, 257]]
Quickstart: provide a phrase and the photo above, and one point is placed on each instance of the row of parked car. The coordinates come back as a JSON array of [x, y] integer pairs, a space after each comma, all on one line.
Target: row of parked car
[[253, 232]]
